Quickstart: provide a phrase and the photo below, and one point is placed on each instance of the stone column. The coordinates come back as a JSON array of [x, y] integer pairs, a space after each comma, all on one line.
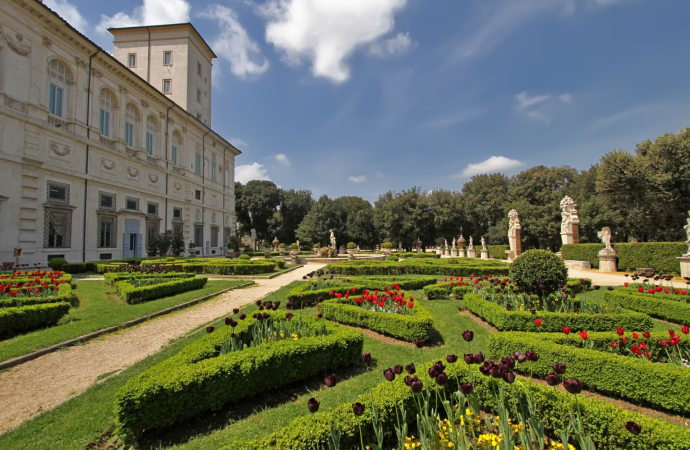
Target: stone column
[[684, 266], [607, 260], [485, 254], [518, 244], [461, 253], [471, 253], [454, 252]]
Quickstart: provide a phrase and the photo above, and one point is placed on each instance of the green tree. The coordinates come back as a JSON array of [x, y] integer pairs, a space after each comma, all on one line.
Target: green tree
[[293, 209], [357, 216], [448, 213], [316, 225], [404, 217], [484, 206], [255, 206]]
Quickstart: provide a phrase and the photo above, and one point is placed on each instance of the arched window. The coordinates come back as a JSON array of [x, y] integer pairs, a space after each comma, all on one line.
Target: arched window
[[150, 134], [131, 119], [107, 101], [175, 146], [60, 79]]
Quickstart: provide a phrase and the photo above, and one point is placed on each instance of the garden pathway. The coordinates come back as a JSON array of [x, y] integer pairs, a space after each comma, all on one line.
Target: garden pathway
[[43, 383], [599, 278]]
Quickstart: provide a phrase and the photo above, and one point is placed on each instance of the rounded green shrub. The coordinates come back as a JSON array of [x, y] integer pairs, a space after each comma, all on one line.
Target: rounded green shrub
[[293, 246], [282, 245], [392, 258], [351, 246], [387, 245], [539, 271], [245, 257], [57, 263]]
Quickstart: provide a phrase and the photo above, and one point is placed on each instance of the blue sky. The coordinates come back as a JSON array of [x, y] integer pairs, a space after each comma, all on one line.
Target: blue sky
[[357, 97]]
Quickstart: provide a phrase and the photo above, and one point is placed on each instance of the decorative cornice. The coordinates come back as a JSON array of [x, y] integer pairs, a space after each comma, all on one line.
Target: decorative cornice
[[124, 90], [82, 63], [47, 41], [144, 104], [96, 73], [15, 43]]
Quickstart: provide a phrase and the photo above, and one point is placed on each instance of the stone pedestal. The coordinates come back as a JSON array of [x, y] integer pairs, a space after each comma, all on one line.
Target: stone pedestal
[[576, 233], [515, 244], [571, 264], [454, 253], [351, 254], [447, 253], [439, 251], [294, 259], [485, 254], [461, 253], [511, 255], [607, 260], [471, 253], [684, 266]]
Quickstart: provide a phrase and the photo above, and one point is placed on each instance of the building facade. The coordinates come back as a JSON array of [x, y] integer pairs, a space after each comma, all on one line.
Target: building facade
[[95, 160]]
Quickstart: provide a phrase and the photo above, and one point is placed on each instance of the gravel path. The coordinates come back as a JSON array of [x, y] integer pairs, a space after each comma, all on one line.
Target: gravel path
[[42, 384], [600, 278]]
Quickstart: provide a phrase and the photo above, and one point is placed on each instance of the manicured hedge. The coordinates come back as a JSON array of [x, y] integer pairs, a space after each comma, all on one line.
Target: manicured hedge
[[505, 320], [133, 295], [64, 294], [496, 251], [197, 380], [399, 326], [66, 277], [605, 421], [449, 267], [28, 318], [633, 379], [78, 267], [670, 310], [113, 277], [404, 283], [248, 268], [299, 295], [438, 292], [660, 256], [634, 289], [417, 255]]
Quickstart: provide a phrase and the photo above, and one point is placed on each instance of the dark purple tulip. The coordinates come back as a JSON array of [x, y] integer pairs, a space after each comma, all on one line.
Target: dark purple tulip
[[451, 359], [313, 405], [408, 379], [479, 358], [552, 379], [485, 369], [331, 380], [243, 316], [235, 310], [358, 408], [559, 368], [233, 335], [319, 315], [508, 362], [416, 386], [509, 377], [573, 386], [366, 357], [432, 371], [532, 356], [265, 316], [210, 329], [496, 371], [509, 307], [532, 310], [633, 427], [320, 299], [468, 335], [441, 379], [469, 358], [410, 368], [276, 305], [389, 374], [466, 388], [419, 343], [261, 308], [289, 315], [516, 354], [522, 358], [258, 303], [398, 369], [438, 365], [228, 321]]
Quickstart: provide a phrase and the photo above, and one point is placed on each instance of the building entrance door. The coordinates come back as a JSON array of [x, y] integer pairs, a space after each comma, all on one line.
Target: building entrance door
[[132, 240]]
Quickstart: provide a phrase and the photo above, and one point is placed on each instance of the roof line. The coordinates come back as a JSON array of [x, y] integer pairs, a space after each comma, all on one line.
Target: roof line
[[169, 25]]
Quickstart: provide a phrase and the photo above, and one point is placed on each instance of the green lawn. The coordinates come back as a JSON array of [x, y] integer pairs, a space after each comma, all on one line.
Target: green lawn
[[99, 307], [84, 419]]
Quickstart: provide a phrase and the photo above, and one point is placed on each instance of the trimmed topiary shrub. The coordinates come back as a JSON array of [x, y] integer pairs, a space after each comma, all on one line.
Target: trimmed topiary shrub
[[538, 271], [460, 267], [653, 305], [498, 251], [660, 256], [133, 295], [351, 246], [387, 245], [57, 263], [393, 258], [245, 257]]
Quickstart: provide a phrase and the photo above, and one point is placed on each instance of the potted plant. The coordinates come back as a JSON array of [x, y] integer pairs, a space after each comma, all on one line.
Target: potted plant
[[233, 243], [267, 249], [242, 246], [294, 249], [387, 247], [351, 248], [281, 248], [192, 249]]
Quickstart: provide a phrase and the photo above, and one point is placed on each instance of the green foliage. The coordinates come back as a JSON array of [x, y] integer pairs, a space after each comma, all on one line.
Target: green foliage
[[460, 291], [306, 291], [255, 206], [233, 243], [57, 263], [294, 246], [387, 245], [463, 267], [605, 421], [245, 256], [656, 384], [293, 208], [404, 327], [79, 267], [418, 255], [446, 291], [393, 258], [582, 252], [111, 278], [484, 202], [133, 295], [239, 267], [280, 264], [351, 246], [198, 380], [660, 256], [15, 320], [404, 217], [498, 251], [670, 310], [536, 268], [554, 322], [282, 245]]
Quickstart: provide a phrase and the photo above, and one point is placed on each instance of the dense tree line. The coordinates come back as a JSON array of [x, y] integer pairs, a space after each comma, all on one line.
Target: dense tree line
[[643, 195]]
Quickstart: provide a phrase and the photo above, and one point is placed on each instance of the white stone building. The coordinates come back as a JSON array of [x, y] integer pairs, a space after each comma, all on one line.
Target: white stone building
[[97, 153]]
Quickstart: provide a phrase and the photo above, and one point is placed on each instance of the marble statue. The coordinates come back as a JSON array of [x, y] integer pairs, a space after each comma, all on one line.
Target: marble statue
[[570, 233], [483, 243], [687, 232], [471, 247], [253, 238], [605, 236], [446, 241], [298, 247], [453, 242], [332, 240], [514, 228]]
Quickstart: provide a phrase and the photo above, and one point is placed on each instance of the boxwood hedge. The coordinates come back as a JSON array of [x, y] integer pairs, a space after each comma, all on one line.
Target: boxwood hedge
[[670, 310], [111, 278], [133, 295], [417, 255], [14, 320], [505, 320], [197, 379], [462, 267], [660, 256], [404, 283], [633, 379], [497, 251], [604, 421]]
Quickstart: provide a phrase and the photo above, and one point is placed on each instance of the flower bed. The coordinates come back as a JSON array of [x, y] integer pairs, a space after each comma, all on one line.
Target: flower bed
[[506, 320], [463, 267], [670, 310], [133, 294], [385, 313], [197, 379], [635, 379], [457, 288], [23, 277], [27, 308], [111, 278], [382, 283], [605, 422], [209, 266]]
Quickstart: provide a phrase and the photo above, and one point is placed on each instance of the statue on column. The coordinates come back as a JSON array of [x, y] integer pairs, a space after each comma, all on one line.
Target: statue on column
[[471, 247], [687, 232], [253, 238], [514, 228], [454, 242], [332, 240], [605, 236], [570, 233], [483, 243]]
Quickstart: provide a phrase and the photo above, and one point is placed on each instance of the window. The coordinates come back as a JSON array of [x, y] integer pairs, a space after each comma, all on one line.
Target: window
[[197, 164], [177, 229], [57, 228], [131, 119], [198, 194], [177, 213], [198, 116], [58, 192], [132, 203], [175, 146], [151, 230], [198, 95], [51, 257], [152, 209], [132, 60], [107, 231], [105, 256], [213, 171], [198, 68], [167, 86], [167, 58], [107, 101], [214, 236], [198, 235], [150, 133], [226, 235], [60, 79], [106, 201]]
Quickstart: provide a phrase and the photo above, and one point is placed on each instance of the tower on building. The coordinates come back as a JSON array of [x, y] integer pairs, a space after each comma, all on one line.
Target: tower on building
[[174, 59]]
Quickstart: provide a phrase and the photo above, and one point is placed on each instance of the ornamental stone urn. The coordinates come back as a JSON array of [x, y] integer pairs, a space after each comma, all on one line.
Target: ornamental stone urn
[[275, 243], [419, 245]]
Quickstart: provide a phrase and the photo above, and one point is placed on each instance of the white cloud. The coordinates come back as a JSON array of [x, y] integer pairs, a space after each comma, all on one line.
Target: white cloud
[[566, 98], [237, 142], [452, 120], [327, 32], [282, 159], [67, 11], [357, 179], [151, 12], [398, 45], [234, 44], [525, 101], [491, 165], [249, 172], [540, 108]]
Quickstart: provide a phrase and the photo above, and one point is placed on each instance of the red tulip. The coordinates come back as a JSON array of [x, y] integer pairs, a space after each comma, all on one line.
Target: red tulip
[[635, 335], [583, 334], [685, 329], [614, 344], [647, 334], [663, 343], [620, 331], [537, 322], [566, 330], [641, 289]]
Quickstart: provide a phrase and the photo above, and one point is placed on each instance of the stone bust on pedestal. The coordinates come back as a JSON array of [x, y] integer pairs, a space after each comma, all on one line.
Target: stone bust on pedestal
[[514, 228], [570, 225], [607, 256]]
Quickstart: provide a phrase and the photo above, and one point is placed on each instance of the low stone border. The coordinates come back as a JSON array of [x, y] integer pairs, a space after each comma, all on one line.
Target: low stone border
[[22, 359]]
